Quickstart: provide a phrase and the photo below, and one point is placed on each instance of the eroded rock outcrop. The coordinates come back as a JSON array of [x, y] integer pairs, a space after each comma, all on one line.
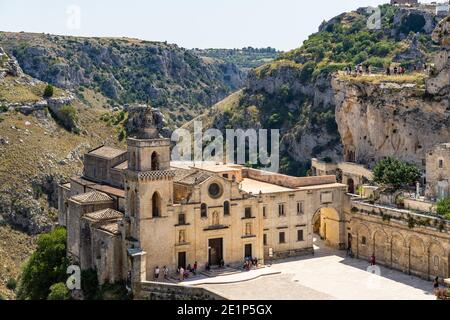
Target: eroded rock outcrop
[[380, 120]]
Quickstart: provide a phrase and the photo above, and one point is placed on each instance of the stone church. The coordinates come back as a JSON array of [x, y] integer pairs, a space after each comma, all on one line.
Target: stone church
[[132, 210]]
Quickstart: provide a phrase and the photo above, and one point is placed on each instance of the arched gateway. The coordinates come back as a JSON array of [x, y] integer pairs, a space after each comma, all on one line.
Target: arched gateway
[[329, 224]]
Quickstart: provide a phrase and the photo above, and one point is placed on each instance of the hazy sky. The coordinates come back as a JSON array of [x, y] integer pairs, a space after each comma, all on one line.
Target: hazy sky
[[282, 24]]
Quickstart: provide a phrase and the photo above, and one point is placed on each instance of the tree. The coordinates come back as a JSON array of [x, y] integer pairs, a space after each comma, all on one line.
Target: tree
[[443, 207], [395, 173], [46, 266], [59, 291], [48, 91]]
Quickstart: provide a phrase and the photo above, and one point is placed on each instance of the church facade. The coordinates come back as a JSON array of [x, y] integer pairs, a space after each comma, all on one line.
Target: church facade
[[133, 210]]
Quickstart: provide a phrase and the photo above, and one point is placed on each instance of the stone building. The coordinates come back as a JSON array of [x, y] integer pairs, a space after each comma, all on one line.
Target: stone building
[[133, 210], [405, 2], [438, 171]]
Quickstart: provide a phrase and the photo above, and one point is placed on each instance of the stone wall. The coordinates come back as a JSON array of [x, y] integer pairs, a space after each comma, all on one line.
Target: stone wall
[[287, 181], [419, 247], [148, 290]]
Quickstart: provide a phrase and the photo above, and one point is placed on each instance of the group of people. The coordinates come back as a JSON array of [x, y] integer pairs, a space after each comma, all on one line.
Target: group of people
[[359, 69], [182, 273], [250, 262], [396, 71], [165, 271]]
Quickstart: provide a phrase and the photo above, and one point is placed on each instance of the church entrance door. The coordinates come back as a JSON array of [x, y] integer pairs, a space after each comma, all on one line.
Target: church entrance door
[[215, 251]]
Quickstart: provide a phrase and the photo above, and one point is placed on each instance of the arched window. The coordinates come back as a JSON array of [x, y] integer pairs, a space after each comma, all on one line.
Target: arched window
[[226, 208], [155, 161], [203, 210], [156, 205], [132, 205]]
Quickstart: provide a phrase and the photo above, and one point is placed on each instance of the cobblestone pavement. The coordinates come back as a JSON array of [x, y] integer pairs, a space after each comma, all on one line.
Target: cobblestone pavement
[[329, 274]]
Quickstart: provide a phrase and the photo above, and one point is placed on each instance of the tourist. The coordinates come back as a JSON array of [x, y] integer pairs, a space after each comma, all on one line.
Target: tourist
[[166, 272], [436, 286], [372, 259], [221, 263], [395, 70], [194, 271], [189, 268], [207, 267], [388, 71], [156, 272], [181, 273]]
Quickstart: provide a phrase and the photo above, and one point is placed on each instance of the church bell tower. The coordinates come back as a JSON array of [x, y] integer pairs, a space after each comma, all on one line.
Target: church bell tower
[[148, 185]]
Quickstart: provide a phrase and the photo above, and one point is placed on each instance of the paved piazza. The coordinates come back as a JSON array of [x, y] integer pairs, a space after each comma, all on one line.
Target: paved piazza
[[329, 274]]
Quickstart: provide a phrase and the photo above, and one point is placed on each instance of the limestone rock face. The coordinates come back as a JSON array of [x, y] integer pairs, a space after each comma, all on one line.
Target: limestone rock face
[[387, 119], [408, 20], [440, 83]]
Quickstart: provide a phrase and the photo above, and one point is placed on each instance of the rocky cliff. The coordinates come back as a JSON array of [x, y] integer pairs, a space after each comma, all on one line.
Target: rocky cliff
[[295, 93], [377, 120], [181, 82], [396, 116]]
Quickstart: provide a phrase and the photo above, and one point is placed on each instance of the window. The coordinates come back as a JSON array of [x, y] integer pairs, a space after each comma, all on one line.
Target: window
[[282, 237], [363, 240], [203, 210], [155, 161], [226, 208], [156, 205], [441, 163], [300, 207], [264, 213], [181, 219], [215, 190], [248, 229], [248, 212], [265, 239], [300, 235], [225, 175], [281, 210]]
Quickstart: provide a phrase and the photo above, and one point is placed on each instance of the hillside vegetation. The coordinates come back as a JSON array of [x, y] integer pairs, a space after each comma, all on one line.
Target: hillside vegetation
[[120, 71], [294, 94]]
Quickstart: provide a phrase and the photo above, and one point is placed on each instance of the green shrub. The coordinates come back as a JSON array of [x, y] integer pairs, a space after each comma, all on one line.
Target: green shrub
[[395, 173], [3, 108], [443, 207], [59, 291], [48, 91], [45, 267], [89, 284], [11, 284]]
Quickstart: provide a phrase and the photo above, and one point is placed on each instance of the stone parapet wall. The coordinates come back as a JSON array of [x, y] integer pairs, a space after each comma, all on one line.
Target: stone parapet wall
[[287, 181], [148, 290]]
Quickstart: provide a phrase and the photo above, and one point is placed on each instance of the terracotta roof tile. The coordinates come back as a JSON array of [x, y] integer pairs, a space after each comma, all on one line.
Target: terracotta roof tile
[[106, 214], [93, 196], [112, 227]]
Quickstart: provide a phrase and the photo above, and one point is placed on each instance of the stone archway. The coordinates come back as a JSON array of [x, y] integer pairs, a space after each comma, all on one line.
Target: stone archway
[[328, 224], [437, 260], [398, 249], [417, 256], [380, 246]]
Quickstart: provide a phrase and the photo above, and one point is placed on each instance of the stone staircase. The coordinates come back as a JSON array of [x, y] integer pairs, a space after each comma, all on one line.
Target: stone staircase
[[217, 271]]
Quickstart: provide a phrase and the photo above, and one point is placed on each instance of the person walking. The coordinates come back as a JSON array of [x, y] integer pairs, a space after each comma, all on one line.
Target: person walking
[[372, 260], [181, 273], [436, 286], [166, 272], [156, 272], [194, 270]]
